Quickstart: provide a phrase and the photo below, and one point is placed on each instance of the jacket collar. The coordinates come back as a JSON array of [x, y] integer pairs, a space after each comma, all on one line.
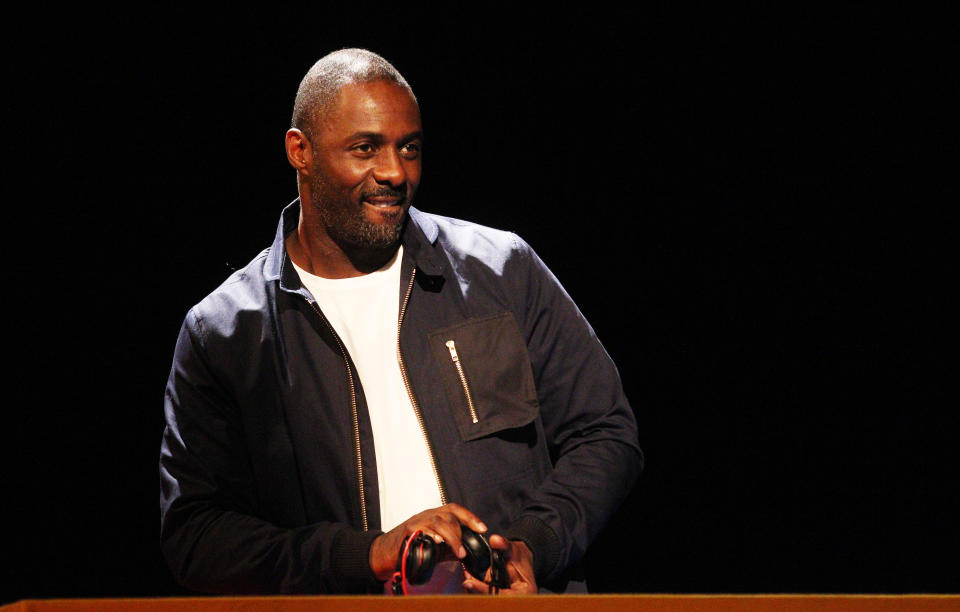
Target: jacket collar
[[419, 237]]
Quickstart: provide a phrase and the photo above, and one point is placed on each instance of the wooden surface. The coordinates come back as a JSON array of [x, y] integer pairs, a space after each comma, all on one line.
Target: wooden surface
[[543, 603]]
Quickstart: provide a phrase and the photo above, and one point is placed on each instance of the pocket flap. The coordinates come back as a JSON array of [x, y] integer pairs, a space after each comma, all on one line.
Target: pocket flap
[[486, 375]]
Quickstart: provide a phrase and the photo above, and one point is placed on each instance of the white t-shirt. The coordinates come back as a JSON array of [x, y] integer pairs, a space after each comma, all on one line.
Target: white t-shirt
[[364, 311]]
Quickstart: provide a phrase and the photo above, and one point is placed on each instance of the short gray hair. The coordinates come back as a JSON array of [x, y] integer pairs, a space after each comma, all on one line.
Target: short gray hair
[[322, 83]]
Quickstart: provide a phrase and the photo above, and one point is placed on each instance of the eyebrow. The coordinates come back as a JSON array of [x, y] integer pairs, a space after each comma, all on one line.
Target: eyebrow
[[378, 137]]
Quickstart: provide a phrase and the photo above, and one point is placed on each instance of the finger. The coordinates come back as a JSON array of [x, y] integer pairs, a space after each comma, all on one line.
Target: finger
[[466, 517], [524, 588], [443, 527], [517, 572], [518, 563], [447, 528], [472, 585], [424, 529], [499, 542]]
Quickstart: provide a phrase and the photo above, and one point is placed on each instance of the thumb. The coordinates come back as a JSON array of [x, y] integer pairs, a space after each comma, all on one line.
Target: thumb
[[499, 542]]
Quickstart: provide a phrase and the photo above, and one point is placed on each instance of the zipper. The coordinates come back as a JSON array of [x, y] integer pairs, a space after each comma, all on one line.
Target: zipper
[[353, 413], [413, 400], [463, 379]]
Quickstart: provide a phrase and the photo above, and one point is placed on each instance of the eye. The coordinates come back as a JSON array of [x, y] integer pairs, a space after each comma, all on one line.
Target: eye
[[411, 150], [363, 148]]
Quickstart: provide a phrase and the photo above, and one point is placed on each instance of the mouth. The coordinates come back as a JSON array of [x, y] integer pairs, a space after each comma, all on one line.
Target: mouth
[[383, 201], [384, 209]]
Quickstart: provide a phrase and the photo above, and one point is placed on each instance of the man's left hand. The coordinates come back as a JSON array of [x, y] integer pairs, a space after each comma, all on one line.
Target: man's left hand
[[518, 560]]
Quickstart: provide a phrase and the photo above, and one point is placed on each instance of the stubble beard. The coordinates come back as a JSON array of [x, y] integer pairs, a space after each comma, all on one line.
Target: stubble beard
[[345, 223]]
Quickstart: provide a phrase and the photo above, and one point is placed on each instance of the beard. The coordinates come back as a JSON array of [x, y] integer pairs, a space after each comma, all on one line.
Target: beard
[[345, 222]]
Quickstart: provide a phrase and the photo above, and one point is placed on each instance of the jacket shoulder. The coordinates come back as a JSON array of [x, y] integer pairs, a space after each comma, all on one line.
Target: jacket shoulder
[[465, 241], [243, 293]]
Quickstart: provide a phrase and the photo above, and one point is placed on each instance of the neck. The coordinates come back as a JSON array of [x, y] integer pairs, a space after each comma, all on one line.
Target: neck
[[323, 257]]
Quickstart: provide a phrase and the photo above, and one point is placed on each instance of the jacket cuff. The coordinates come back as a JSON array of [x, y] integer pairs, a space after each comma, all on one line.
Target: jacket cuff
[[541, 540], [350, 557]]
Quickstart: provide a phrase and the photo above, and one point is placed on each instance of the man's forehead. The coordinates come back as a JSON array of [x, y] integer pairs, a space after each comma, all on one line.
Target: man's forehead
[[373, 106]]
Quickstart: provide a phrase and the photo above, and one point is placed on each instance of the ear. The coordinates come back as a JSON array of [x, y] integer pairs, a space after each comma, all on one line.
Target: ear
[[299, 150]]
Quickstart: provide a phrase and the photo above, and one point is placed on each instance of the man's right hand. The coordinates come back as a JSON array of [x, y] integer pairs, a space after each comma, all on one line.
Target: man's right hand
[[442, 524]]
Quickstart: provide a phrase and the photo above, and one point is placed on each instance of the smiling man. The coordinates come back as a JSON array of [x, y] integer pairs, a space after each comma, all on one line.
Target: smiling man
[[378, 372], [360, 166]]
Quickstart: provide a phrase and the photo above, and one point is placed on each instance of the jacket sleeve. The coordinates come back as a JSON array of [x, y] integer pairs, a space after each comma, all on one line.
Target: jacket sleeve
[[210, 532], [588, 423]]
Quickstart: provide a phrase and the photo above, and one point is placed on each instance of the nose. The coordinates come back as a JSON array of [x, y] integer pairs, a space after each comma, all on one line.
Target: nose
[[389, 169]]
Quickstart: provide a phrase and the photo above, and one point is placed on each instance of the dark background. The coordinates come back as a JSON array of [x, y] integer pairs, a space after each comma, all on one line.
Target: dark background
[[751, 206]]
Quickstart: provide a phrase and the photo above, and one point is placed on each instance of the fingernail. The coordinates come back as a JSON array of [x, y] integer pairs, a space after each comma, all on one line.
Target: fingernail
[[461, 552], [483, 527]]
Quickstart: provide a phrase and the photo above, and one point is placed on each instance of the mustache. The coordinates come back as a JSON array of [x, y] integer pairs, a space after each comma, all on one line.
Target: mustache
[[386, 192]]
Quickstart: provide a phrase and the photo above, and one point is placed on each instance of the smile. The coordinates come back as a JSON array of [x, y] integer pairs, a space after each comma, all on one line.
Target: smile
[[381, 202]]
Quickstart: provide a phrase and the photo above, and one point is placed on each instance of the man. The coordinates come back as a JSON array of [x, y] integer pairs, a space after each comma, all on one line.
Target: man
[[379, 371]]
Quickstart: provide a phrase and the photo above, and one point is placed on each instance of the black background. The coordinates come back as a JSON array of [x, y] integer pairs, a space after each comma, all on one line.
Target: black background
[[751, 206]]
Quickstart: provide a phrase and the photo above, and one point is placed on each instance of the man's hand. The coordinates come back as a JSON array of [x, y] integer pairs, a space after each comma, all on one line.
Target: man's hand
[[442, 524], [519, 564]]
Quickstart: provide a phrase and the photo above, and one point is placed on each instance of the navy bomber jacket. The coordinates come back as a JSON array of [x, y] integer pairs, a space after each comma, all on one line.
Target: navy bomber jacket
[[268, 473]]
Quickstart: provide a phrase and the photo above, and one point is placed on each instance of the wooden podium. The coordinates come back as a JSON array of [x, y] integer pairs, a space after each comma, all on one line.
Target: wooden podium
[[536, 603]]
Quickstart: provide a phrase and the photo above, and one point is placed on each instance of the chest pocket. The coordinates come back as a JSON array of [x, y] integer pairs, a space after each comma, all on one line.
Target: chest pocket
[[486, 375]]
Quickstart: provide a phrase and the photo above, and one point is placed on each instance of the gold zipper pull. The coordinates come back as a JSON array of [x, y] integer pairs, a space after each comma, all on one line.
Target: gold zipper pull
[[463, 379]]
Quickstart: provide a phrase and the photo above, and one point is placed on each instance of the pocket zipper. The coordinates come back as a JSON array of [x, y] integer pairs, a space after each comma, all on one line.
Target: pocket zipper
[[463, 379]]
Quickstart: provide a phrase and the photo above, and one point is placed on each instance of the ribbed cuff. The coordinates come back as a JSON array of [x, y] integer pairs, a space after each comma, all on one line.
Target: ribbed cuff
[[351, 558], [541, 540]]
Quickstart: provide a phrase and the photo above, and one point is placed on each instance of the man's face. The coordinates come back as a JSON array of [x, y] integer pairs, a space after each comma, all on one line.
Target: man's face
[[366, 164]]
